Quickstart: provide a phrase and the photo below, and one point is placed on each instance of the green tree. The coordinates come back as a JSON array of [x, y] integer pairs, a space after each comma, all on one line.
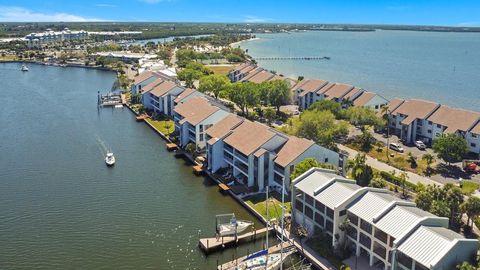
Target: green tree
[[471, 207], [362, 116], [321, 127], [429, 158], [454, 198], [450, 147], [269, 115], [279, 93], [424, 200], [244, 95], [307, 164], [361, 172], [327, 105], [466, 266], [377, 182], [190, 148], [214, 84], [189, 76], [366, 140], [412, 160], [403, 179], [440, 208]]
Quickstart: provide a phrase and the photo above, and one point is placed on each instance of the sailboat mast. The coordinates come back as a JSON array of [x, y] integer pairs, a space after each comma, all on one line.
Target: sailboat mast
[[266, 207], [283, 224]]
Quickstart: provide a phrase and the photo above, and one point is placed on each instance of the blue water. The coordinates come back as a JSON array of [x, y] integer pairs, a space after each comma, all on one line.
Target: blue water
[[443, 67]]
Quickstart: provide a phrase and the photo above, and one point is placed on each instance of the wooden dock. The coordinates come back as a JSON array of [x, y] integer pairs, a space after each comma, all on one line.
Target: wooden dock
[[295, 58], [197, 169], [142, 117], [171, 146], [209, 245], [234, 262]]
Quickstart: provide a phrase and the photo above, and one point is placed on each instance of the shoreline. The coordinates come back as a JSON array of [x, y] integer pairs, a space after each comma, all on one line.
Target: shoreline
[[64, 65], [241, 41]]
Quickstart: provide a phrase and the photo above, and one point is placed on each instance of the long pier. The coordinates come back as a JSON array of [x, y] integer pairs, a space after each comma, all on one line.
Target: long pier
[[295, 58], [211, 244]]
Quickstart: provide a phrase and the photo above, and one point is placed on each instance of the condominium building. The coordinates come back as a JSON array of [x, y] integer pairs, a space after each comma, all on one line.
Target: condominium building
[[388, 232], [145, 78], [41, 39], [241, 71], [193, 117], [260, 155], [159, 96]]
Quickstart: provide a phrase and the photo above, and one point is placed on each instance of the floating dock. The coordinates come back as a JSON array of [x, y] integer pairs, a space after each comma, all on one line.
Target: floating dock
[[234, 262], [142, 117], [197, 169], [209, 245]]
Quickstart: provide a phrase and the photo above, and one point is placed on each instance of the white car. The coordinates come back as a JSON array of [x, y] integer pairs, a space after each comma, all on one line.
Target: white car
[[396, 147], [420, 145]]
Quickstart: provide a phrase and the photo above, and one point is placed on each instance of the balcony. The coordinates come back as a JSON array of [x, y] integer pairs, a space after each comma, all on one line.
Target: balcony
[[228, 149], [242, 168], [279, 170], [241, 158]]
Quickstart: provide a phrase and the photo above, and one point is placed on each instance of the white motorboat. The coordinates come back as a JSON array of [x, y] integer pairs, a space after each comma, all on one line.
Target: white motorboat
[[235, 226], [24, 68], [110, 159]]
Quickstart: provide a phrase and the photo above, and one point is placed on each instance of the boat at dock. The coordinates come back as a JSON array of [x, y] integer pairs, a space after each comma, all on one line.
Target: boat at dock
[[110, 159], [233, 227], [24, 68]]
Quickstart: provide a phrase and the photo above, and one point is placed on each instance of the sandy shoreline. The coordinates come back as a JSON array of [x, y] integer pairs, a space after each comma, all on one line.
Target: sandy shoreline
[[234, 44]]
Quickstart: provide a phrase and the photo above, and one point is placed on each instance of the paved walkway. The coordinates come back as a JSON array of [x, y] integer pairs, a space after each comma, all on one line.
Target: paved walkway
[[374, 163]]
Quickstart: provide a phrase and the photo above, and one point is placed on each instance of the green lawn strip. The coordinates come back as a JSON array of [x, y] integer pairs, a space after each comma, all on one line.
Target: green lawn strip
[[257, 202], [162, 125]]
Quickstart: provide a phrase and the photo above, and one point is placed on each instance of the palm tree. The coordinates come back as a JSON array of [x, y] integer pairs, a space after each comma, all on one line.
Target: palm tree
[[403, 178], [429, 158], [385, 111]]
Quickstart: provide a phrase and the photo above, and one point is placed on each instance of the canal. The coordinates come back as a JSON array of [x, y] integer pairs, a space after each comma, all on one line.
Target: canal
[[61, 207]]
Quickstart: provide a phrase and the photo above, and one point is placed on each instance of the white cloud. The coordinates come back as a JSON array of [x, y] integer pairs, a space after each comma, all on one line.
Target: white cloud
[[105, 5], [254, 19], [19, 14]]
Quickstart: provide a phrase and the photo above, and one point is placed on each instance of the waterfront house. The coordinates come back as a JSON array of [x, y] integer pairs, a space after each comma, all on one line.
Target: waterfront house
[[193, 117], [186, 95], [38, 40], [145, 78], [337, 92], [258, 155], [258, 75], [473, 137], [241, 71], [447, 120], [306, 92], [160, 98], [376, 226], [409, 120], [367, 99]]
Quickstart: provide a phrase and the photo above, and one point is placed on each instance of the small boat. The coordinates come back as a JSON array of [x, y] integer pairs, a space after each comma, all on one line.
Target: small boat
[[110, 159], [24, 68], [234, 226]]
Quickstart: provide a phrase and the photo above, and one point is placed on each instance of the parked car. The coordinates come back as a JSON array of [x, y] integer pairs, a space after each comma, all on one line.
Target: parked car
[[420, 145], [396, 147]]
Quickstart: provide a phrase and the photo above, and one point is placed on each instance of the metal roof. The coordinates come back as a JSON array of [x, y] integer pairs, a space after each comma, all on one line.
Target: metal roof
[[371, 204], [336, 193], [400, 219], [314, 181], [427, 245]]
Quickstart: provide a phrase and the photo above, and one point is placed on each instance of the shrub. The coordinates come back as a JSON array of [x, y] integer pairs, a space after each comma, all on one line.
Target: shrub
[[396, 180]]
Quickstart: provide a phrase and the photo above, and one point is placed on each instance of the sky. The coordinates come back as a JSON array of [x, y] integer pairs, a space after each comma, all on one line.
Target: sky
[[411, 12]]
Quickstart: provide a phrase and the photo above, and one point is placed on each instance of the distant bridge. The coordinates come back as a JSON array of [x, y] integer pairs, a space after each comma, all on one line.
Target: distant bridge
[[294, 58]]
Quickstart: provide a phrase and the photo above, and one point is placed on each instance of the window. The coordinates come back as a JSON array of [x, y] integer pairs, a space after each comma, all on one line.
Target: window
[[308, 200], [342, 213], [380, 235], [326, 160], [429, 131], [299, 206], [319, 219], [404, 260], [329, 213], [430, 123], [353, 219], [365, 226], [201, 136], [365, 240], [320, 207], [439, 126], [473, 145], [379, 250], [474, 135], [352, 232], [329, 226], [309, 212]]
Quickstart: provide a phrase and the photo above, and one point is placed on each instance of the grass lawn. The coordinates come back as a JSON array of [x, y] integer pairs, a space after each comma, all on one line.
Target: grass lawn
[[162, 125], [274, 205], [221, 70], [469, 187]]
